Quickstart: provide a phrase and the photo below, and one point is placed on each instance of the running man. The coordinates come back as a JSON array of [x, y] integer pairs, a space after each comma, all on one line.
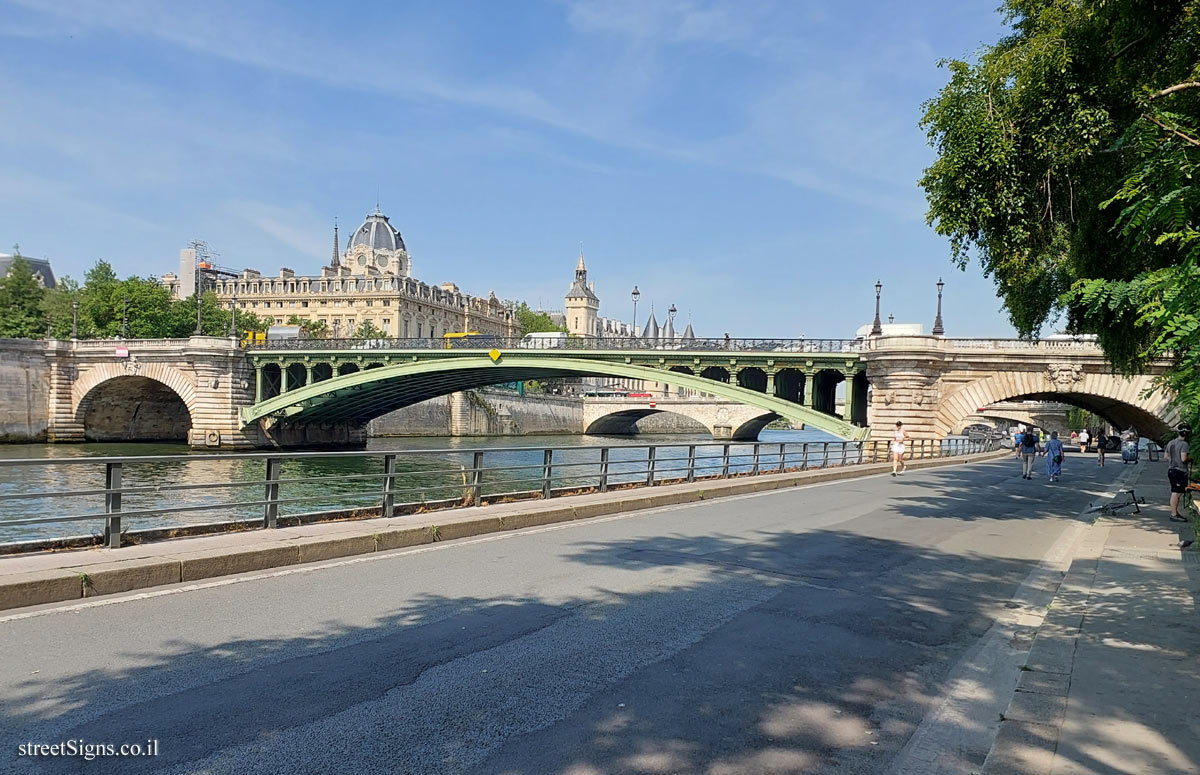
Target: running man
[[899, 439], [1178, 456], [1083, 441], [1029, 449], [1054, 457]]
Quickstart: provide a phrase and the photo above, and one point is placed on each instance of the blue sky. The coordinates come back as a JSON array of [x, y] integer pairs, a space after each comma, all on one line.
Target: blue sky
[[754, 163]]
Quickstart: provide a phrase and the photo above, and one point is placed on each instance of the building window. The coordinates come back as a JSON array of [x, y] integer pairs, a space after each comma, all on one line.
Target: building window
[[387, 302], [406, 329], [324, 285], [279, 304], [304, 304]]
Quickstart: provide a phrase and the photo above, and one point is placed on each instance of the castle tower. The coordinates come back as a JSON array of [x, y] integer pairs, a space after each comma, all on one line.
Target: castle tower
[[582, 305]]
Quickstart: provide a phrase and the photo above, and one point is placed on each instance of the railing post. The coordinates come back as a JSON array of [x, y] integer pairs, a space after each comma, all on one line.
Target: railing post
[[725, 461], [547, 468], [691, 472], [477, 479], [112, 505], [271, 494], [389, 486], [604, 469], [754, 470], [824, 454], [804, 456], [861, 446], [650, 466], [782, 456]]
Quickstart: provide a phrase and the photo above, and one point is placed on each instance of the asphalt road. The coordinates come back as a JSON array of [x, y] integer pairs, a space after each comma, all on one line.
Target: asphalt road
[[807, 631]]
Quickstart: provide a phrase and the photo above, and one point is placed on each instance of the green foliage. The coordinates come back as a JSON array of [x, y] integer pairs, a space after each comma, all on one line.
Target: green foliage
[[1078, 419], [313, 329], [1066, 165], [21, 295], [368, 330], [532, 322]]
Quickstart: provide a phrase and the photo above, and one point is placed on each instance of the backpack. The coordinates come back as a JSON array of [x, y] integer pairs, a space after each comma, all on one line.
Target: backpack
[[1029, 441]]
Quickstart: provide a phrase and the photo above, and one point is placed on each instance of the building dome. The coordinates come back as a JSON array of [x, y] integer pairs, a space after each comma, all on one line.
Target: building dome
[[377, 234]]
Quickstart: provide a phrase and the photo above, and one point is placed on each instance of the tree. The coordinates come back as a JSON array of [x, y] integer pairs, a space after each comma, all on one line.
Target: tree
[[1066, 165], [21, 315], [56, 305], [312, 329], [368, 330], [532, 322]]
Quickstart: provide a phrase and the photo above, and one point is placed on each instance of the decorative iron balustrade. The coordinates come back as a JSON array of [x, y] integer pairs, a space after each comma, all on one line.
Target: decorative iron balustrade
[[502, 343]]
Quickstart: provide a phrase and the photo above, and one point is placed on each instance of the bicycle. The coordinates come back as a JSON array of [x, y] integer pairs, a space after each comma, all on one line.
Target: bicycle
[[1187, 504], [1116, 507]]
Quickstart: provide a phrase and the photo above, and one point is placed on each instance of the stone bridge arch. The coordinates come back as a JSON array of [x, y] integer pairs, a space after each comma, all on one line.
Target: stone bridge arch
[[158, 388], [722, 419], [1122, 401]]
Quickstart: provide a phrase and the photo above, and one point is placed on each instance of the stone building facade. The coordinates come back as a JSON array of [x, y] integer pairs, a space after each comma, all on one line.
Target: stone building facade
[[370, 281]]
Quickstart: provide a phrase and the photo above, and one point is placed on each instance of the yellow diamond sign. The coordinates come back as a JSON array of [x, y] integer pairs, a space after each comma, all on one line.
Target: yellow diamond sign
[[494, 354]]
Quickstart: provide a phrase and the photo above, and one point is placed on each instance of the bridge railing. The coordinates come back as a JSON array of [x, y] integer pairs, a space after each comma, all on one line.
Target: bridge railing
[[171, 495], [570, 343]]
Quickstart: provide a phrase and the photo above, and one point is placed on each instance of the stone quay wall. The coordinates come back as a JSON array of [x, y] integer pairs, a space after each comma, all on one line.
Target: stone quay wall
[[24, 390]]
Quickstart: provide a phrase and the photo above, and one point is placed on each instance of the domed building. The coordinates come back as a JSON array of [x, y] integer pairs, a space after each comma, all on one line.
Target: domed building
[[369, 282], [376, 247]]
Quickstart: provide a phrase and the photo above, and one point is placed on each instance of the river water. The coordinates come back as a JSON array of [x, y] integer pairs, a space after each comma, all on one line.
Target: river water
[[428, 469]]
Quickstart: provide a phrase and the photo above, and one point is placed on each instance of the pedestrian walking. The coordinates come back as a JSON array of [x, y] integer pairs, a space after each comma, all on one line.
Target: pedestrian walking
[[1178, 456], [1074, 438], [1083, 441], [899, 440], [1029, 449], [1017, 443], [1054, 457]]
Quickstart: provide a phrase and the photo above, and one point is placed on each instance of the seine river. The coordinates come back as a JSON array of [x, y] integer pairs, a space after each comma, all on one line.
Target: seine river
[[435, 475]]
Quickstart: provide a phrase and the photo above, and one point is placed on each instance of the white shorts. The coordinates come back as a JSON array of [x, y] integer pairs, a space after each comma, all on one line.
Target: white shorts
[[898, 447]]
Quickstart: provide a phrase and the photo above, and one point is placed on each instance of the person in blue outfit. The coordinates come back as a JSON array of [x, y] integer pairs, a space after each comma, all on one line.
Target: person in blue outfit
[[1054, 457]]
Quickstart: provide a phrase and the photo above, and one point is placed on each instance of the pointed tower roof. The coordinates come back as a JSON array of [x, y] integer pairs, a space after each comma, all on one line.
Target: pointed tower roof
[[580, 289], [688, 334], [336, 261], [650, 332], [668, 332]]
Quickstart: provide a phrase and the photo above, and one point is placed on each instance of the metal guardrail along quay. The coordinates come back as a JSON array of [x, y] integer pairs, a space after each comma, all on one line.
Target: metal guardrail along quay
[[391, 483]]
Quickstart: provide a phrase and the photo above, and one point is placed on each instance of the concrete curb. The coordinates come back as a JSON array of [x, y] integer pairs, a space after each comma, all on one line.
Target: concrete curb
[[72, 575]]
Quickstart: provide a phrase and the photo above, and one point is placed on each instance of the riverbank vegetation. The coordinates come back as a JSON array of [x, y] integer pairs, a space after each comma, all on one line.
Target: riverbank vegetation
[[1067, 162]]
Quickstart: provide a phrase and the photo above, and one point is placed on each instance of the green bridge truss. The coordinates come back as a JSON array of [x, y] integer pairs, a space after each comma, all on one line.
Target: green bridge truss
[[361, 382]]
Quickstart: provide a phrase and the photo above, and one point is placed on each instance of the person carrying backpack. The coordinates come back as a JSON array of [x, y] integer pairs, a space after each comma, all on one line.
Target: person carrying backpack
[[1029, 450]]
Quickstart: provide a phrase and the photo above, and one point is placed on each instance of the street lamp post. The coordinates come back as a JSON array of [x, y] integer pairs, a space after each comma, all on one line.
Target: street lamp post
[[938, 328], [199, 326], [233, 331], [877, 326], [635, 296], [75, 319]]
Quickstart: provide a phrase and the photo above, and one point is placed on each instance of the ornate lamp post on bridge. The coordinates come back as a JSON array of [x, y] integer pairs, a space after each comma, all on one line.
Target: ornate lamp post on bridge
[[233, 330], [938, 328], [75, 319], [635, 296], [877, 326]]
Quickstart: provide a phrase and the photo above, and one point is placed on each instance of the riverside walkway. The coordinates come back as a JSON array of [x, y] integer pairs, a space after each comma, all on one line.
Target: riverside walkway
[[867, 625]]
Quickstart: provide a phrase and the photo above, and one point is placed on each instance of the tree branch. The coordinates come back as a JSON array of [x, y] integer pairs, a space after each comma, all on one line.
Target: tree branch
[[1186, 137], [1128, 46], [1172, 89]]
